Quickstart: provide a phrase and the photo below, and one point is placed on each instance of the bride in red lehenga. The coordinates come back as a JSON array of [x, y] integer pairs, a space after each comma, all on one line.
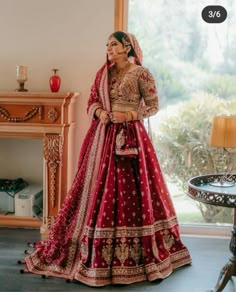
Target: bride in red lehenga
[[117, 224]]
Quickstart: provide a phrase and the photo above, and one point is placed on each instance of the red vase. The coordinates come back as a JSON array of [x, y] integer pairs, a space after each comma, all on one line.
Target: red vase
[[55, 81]]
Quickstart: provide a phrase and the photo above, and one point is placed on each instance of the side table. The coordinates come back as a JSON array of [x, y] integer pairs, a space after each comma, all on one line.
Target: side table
[[200, 189]]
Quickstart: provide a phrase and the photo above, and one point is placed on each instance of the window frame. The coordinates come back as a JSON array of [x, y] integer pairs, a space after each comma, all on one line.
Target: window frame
[[120, 14], [210, 230]]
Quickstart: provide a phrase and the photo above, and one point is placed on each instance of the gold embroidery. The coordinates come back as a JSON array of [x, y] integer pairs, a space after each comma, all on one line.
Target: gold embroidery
[[155, 249], [168, 239], [136, 91], [93, 256], [107, 252], [120, 72], [125, 231], [136, 251], [84, 251], [102, 276], [122, 251], [120, 139], [152, 271]]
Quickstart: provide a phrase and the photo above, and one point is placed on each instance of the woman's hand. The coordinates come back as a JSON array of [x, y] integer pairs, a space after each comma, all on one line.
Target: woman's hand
[[118, 117], [104, 117]]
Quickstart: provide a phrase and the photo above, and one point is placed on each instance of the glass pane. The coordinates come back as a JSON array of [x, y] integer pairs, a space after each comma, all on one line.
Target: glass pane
[[193, 63]]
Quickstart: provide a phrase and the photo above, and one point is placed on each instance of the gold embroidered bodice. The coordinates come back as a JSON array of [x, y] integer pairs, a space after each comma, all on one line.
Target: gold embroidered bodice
[[134, 91]]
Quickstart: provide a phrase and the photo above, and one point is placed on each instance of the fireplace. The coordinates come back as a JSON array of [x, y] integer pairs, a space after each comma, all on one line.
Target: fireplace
[[49, 117]]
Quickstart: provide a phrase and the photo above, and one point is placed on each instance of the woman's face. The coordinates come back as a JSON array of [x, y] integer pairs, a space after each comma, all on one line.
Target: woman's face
[[115, 49]]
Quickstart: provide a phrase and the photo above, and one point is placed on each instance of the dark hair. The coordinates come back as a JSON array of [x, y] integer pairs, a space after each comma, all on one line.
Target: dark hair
[[123, 38]]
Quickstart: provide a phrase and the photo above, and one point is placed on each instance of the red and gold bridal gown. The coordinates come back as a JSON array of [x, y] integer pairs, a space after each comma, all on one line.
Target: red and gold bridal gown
[[117, 224]]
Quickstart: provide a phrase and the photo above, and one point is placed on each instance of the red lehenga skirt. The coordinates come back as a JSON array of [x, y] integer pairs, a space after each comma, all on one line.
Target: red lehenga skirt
[[124, 229]]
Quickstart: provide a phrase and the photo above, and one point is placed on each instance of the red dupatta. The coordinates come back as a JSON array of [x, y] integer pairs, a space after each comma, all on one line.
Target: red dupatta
[[99, 98]]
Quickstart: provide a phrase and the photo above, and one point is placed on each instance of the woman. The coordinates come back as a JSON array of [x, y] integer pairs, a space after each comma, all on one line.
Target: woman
[[117, 224]]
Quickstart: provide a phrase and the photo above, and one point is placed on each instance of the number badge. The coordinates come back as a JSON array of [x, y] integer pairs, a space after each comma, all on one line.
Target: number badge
[[214, 14]]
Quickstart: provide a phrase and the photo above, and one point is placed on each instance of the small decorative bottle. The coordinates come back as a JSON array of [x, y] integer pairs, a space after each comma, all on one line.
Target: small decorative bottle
[[55, 81]]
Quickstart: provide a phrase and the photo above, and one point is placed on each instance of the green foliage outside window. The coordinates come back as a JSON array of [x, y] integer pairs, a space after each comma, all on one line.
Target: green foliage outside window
[[193, 63], [181, 135]]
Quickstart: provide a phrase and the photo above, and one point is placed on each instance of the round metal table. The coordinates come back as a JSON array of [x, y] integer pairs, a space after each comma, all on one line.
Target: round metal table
[[200, 188]]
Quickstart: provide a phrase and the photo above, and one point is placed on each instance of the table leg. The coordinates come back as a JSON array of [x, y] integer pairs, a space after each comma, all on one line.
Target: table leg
[[229, 269]]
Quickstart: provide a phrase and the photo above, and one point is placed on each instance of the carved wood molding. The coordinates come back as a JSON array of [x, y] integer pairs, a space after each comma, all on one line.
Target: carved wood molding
[[27, 116], [50, 221], [53, 114], [52, 149], [200, 189]]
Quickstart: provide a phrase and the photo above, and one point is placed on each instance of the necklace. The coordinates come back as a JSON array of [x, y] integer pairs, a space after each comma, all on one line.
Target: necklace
[[120, 72]]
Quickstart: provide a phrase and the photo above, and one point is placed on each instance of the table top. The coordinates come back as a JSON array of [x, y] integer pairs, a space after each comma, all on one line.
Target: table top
[[200, 189]]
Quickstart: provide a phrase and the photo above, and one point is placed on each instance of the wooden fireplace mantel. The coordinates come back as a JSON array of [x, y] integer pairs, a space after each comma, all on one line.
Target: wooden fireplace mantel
[[50, 117]]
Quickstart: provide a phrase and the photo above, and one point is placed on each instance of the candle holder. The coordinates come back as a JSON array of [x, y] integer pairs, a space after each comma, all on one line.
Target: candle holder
[[21, 77]]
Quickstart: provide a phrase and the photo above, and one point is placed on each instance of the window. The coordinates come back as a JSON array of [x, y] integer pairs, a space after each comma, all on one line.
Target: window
[[193, 63]]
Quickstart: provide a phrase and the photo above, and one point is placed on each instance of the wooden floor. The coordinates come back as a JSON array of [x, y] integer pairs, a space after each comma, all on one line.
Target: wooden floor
[[209, 256]]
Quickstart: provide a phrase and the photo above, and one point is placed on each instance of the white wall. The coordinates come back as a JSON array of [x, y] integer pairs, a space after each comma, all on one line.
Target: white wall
[[45, 34]]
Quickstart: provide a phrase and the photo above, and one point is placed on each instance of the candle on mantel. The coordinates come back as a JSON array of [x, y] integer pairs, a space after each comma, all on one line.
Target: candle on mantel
[[21, 73], [21, 77]]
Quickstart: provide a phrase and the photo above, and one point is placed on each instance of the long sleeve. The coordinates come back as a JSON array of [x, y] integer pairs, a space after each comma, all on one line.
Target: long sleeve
[[147, 87]]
